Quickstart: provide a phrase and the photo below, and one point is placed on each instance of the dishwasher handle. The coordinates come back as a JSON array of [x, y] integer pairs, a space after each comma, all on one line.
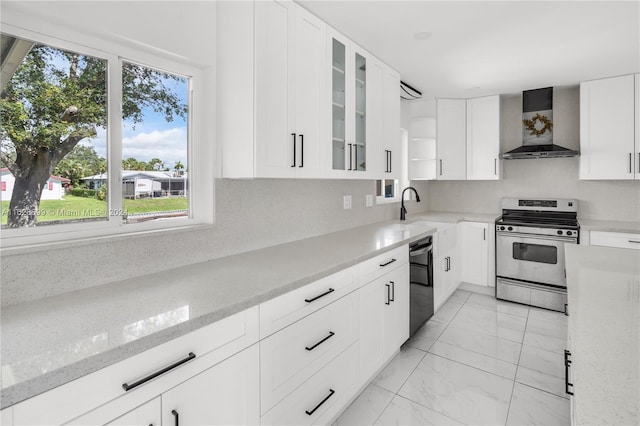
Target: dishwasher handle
[[421, 249]]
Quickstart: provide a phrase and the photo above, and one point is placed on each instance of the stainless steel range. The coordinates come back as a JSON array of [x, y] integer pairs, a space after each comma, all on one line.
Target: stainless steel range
[[530, 240]]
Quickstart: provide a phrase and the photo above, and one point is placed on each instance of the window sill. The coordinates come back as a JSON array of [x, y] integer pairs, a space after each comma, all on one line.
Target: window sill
[[20, 245], [382, 200]]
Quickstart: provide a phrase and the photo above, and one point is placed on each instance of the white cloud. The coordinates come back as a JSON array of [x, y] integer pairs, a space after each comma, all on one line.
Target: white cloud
[[168, 145]]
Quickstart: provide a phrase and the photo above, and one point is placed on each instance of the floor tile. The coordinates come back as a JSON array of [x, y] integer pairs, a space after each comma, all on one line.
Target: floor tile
[[475, 288], [447, 311], [542, 360], [420, 342], [547, 328], [367, 407], [549, 343], [475, 359], [481, 320], [458, 391], [490, 302], [531, 406], [459, 296], [401, 411], [399, 369], [431, 329], [542, 381], [492, 346]]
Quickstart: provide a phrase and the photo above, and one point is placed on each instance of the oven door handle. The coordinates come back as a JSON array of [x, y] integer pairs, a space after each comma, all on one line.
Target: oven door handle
[[538, 237]]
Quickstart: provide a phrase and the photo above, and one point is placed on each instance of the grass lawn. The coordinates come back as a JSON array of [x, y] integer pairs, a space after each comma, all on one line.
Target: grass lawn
[[72, 207]]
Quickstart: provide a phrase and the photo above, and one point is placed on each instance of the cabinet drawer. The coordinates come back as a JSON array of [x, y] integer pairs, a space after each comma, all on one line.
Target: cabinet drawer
[[278, 313], [210, 344], [292, 355], [615, 239], [375, 267], [324, 395]]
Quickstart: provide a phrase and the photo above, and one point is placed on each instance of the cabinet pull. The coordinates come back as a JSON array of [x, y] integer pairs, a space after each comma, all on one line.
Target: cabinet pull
[[447, 264], [393, 291], [331, 392], [355, 155], [566, 309], [634, 242], [350, 158], [386, 155], [567, 364], [388, 302], [176, 417], [630, 155], [319, 296], [484, 234], [382, 265], [495, 166], [294, 149], [331, 334], [441, 167], [301, 150], [128, 387], [638, 169]]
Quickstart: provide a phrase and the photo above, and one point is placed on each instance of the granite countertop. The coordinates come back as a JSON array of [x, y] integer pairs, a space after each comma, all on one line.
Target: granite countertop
[[604, 330], [52, 341]]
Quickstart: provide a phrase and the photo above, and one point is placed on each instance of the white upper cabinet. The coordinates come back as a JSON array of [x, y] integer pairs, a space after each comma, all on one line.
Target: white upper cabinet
[[483, 138], [608, 122], [451, 145], [391, 124], [271, 90]]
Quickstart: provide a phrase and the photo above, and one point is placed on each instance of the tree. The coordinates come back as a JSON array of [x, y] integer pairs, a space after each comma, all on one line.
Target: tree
[[155, 164], [80, 162], [54, 100], [178, 166]]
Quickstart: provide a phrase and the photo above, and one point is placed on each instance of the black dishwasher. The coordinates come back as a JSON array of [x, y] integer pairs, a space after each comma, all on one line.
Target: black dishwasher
[[421, 283]]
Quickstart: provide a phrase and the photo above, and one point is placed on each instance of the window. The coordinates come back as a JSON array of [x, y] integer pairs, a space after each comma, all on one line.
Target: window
[[114, 169]]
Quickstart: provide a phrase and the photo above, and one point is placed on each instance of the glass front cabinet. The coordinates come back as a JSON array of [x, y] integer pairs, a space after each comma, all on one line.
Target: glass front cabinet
[[348, 114]]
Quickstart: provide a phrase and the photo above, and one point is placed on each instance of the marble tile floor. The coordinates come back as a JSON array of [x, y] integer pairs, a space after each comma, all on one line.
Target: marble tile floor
[[478, 361]]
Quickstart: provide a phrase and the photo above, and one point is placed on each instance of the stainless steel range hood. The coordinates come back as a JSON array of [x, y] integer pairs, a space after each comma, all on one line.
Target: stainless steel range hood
[[537, 128]]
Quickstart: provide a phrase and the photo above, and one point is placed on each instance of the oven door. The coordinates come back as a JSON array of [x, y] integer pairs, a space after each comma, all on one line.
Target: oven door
[[533, 258]]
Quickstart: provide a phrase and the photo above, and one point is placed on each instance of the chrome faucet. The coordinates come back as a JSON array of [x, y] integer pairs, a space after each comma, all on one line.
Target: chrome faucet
[[403, 210]]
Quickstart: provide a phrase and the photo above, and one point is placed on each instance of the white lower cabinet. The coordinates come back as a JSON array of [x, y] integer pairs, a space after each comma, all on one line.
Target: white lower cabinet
[[615, 239], [225, 394], [474, 247], [446, 265], [145, 415], [384, 319]]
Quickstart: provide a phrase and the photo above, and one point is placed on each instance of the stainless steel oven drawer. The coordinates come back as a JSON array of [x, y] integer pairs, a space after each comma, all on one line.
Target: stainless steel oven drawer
[[531, 294]]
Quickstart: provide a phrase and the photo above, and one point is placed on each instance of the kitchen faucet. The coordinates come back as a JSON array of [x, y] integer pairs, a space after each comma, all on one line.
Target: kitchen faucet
[[403, 210]]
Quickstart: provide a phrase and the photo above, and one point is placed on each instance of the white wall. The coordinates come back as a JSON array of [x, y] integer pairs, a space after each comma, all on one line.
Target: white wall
[[556, 177]]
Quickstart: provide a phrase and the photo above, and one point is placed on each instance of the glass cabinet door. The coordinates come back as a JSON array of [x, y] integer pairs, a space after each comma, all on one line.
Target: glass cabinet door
[[338, 115], [360, 113]]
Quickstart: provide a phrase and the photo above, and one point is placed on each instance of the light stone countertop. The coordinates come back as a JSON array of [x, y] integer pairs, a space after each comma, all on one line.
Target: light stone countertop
[[603, 287], [52, 341], [455, 217], [609, 226]]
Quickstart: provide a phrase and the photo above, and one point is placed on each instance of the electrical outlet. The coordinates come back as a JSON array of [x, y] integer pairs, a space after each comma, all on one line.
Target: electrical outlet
[[347, 201], [369, 201]]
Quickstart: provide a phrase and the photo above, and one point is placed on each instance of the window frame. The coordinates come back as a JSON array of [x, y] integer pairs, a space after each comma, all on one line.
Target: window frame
[[200, 157]]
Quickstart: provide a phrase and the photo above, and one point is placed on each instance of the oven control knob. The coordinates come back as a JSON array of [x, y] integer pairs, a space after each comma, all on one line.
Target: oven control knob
[[510, 228], [559, 232], [569, 233], [502, 228]]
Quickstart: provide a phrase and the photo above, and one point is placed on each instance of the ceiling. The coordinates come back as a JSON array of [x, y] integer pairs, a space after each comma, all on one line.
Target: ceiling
[[479, 48]]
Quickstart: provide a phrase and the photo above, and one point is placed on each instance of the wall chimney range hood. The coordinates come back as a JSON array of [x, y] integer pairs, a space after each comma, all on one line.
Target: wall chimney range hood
[[537, 128]]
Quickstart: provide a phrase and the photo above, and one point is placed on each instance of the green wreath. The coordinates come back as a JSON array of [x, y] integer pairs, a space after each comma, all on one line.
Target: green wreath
[[531, 125]]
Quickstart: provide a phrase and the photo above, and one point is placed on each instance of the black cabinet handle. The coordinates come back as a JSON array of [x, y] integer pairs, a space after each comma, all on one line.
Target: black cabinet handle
[[393, 291], [331, 334], [388, 302], [390, 162], [567, 364], [630, 155], [566, 309], [495, 166], [128, 387], [440, 167], [382, 265], [484, 234], [319, 296], [331, 392], [301, 150], [350, 157], [294, 149], [355, 155], [176, 417]]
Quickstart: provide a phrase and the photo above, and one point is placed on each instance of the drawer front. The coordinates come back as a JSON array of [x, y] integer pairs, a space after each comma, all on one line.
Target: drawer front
[[278, 313], [321, 397], [210, 344], [376, 267], [289, 357], [615, 239]]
